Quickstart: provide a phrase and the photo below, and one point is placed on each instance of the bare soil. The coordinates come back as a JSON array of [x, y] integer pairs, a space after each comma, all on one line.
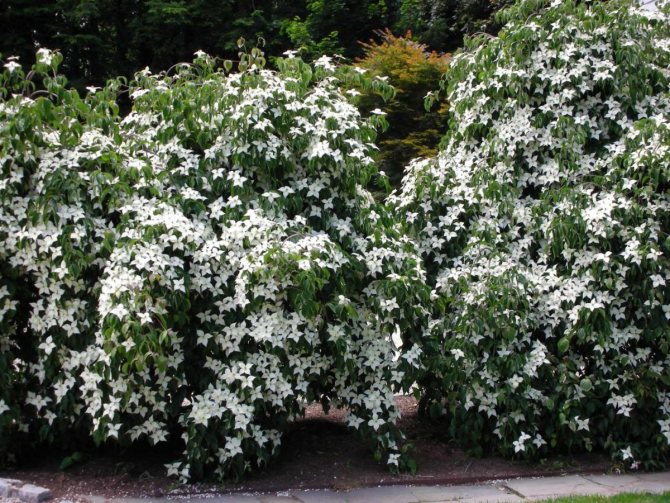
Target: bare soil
[[318, 452]]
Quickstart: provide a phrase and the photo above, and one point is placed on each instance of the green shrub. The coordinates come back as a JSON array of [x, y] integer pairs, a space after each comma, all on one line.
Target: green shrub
[[544, 223], [202, 268]]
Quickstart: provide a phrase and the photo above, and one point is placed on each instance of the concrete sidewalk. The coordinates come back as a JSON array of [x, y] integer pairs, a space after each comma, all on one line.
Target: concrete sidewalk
[[499, 491]]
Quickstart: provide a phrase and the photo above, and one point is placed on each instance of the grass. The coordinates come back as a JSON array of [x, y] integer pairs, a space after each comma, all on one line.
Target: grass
[[619, 498]]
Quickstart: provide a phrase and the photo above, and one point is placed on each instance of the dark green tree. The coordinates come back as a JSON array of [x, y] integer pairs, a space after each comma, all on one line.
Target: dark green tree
[[336, 26], [442, 24], [100, 39]]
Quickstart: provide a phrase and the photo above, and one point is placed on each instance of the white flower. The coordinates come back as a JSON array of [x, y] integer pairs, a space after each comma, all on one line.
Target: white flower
[[354, 421], [158, 435], [325, 62], [623, 403], [514, 381], [144, 317], [233, 446], [3, 407], [458, 354], [45, 56], [38, 401], [396, 337], [113, 430], [657, 280], [376, 422], [173, 469], [519, 444], [12, 66], [48, 345], [582, 424], [203, 338], [389, 305]]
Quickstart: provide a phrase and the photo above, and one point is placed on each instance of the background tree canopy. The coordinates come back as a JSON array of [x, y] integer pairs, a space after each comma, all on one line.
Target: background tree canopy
[[104, 39], [100, 39]]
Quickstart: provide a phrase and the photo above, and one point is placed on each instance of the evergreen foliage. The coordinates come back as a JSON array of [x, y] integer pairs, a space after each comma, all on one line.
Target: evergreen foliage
[[442, 24], [102, 39]]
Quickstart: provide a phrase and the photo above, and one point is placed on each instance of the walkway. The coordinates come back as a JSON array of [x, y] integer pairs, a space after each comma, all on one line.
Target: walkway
[[499, 491]]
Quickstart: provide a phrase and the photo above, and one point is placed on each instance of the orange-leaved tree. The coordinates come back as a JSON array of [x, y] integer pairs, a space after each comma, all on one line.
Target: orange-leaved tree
[[413, 71]]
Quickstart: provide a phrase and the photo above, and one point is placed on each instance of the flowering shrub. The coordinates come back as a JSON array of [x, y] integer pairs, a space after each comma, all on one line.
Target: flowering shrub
[[544, 224], [202, 268]]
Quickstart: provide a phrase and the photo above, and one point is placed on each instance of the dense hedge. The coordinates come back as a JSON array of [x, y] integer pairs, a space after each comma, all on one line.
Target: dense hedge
[[544, 223], [205, 266], [201, 268]]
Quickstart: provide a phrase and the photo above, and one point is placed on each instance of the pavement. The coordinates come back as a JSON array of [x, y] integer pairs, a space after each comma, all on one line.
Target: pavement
[[523, 489]]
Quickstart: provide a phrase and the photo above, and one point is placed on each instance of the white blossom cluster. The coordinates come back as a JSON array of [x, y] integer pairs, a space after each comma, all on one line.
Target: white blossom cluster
[[202, 268], [544, 223]]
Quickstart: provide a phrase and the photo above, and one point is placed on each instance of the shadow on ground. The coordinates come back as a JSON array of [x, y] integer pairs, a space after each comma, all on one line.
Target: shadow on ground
[[318, 452]]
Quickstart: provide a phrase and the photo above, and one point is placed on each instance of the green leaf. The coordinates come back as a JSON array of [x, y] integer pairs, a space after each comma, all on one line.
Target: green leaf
[[72, 460], [586, 384]]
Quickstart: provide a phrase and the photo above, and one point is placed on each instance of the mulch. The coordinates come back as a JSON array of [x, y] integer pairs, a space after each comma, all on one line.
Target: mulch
[[318, 452]]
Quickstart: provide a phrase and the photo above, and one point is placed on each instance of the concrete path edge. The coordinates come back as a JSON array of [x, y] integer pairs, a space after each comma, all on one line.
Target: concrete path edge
[[511, 490]]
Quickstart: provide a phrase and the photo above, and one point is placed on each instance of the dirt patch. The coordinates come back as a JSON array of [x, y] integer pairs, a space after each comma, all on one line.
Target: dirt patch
[[318, 452]]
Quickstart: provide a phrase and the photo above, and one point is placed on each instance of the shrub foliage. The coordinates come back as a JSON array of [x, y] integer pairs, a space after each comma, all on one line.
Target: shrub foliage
[[201, 268], [544, 223], [205, 266]]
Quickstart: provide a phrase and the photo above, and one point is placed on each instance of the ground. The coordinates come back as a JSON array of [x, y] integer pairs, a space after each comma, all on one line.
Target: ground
[[317, 453]]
